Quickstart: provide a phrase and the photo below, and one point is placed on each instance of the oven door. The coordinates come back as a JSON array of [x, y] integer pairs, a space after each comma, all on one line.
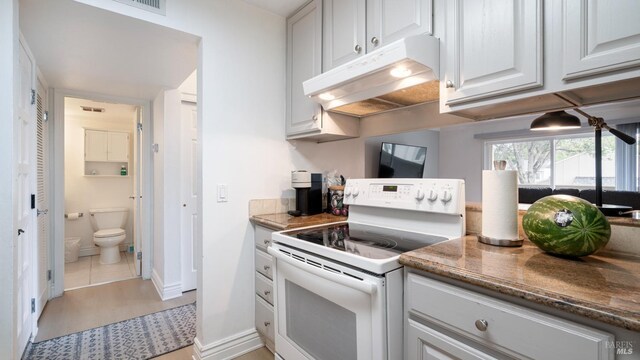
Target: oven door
[[324, 314]]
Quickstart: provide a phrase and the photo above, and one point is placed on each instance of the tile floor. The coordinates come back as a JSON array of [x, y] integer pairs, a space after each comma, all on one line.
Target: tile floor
[[78, 310], [88, 271]]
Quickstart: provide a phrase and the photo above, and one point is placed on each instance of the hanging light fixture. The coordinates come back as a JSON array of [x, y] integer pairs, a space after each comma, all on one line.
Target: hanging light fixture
[[557, 120]]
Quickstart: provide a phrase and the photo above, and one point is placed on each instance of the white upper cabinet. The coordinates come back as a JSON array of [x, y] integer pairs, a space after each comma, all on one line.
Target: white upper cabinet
[[391, 20], [118, 147], [106, 146], [352, 28], [493, 47], [344, 35], [600, 36], [304, 59], [95, 145]]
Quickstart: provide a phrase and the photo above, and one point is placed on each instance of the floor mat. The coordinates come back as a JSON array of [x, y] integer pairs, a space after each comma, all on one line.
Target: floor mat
[[143, 337]]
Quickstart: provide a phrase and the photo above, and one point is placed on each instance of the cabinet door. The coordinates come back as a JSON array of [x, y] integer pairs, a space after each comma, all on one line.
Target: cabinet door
[[493, 47], [118, 148], [344, 37], [95, 145], [304, 58], [600, 36], [391, 20]]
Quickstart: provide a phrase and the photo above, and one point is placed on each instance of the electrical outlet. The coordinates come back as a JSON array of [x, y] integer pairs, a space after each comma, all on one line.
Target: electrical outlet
[[222, 193]]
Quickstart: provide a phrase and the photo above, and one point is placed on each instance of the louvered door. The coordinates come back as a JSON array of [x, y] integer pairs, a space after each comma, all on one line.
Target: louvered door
[[42, 199]]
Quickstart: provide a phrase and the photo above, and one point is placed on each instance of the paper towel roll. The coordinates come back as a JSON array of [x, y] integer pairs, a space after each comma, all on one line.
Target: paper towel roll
[[500, 204], [73, 216]]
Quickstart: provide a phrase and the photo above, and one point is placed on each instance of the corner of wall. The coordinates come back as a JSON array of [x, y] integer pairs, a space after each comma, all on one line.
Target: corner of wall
[[229, 348]]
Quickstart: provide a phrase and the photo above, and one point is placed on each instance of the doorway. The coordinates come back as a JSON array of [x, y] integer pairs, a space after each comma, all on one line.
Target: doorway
[[101, 171]]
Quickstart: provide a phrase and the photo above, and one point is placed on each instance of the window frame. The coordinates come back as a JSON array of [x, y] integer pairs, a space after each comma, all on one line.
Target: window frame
[[488, 165]]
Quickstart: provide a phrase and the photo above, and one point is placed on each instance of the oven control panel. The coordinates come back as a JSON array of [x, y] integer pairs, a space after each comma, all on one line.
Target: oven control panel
[[428, 195]]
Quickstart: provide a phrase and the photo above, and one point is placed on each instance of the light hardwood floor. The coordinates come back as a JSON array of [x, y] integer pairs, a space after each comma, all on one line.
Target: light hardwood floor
[[95, 306]]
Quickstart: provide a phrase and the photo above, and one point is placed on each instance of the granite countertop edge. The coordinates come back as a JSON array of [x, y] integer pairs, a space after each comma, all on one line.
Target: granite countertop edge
[[298, 222], [608, 315]]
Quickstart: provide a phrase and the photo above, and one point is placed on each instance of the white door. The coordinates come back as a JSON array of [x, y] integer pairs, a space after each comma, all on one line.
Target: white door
[[24, 188], [493, 47], [344, 37], [137, 193], [304, 58], [189, 177], [391, 20], [600, 36], [42, 200], [118, 146]]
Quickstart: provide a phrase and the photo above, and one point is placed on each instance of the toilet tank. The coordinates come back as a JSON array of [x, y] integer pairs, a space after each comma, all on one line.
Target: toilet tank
[[108, 218]]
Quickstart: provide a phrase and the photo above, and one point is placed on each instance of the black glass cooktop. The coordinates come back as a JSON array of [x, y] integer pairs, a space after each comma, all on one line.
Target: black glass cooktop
[[365, 240]]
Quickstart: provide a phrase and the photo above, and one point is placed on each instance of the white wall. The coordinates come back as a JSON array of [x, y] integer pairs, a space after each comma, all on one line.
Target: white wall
[[85, 192], [166, 194], [8, 63]]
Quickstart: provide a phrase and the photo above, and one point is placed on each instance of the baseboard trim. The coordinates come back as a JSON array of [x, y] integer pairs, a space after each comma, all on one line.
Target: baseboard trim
[[166, 292], [229, 348]]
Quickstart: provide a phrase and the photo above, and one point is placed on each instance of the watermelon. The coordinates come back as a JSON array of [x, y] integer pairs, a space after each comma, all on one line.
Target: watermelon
[[566, 225]]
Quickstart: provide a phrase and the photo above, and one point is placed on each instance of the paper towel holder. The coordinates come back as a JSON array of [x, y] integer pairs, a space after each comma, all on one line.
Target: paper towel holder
[[500, 242]]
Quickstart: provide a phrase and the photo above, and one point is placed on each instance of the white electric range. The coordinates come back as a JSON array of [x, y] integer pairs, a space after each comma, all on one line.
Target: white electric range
[[338, 287]]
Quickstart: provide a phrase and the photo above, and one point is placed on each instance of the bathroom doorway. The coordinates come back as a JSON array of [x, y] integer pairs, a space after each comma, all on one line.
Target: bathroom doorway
[[103, 191]]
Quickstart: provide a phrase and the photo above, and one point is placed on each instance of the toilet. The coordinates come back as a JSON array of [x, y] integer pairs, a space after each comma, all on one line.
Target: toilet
[[108, 225]]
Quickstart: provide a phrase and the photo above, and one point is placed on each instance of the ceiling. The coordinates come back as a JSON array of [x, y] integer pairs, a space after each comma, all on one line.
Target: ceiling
[[280, 7], [80, 47], [113, 112]]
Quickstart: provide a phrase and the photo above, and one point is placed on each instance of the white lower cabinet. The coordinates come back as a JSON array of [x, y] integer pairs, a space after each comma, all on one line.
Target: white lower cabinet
[[443, 321], [264, 287]]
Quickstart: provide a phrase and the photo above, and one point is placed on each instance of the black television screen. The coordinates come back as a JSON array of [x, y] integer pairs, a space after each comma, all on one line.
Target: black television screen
[[401, 161]]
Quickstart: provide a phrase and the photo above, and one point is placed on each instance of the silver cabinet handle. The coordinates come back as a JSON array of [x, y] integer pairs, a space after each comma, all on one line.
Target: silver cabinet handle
[[267, 292], [357, 49], [482, 325], [267, 323], [314, 118], [449, 84], [375, 41], [266, 267], [267, 242]]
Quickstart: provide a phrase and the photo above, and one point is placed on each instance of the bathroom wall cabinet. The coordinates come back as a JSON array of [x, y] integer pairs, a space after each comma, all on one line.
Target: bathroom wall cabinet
[[106, 152]]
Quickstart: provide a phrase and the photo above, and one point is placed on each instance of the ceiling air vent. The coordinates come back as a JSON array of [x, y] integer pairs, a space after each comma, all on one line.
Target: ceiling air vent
[[154, 6], [92, 109]]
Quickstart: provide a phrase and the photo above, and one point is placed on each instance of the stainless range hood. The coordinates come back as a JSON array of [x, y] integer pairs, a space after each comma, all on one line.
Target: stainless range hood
[[400, 74]]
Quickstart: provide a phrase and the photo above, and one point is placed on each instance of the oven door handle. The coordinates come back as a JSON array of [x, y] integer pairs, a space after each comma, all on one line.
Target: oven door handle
[[362, 285]]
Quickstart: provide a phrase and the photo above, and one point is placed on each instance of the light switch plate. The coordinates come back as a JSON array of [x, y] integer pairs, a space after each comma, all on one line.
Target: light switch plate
[[222, 193]]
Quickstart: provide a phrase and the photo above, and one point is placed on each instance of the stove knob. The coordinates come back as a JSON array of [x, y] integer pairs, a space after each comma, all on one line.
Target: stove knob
[[419, 195], [446, 196], [433, 195], [347, 191], [355, 192]]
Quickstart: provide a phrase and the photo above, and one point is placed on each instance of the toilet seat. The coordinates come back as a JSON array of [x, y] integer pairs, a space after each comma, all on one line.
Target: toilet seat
[[105, 233]]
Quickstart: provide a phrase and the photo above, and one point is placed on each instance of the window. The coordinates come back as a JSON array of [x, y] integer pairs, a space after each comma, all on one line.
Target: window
[[561, 161]]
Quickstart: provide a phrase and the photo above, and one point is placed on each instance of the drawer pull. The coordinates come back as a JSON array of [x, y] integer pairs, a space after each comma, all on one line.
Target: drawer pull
[[266, 267], [482, 325], [267, 323], [267, 242], [267, 292]]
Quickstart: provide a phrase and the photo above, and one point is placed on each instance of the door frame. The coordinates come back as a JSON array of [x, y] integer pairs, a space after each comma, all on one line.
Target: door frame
[[57, 164]]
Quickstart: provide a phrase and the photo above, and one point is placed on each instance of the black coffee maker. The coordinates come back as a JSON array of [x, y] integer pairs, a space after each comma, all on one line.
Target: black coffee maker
[[308, 193]]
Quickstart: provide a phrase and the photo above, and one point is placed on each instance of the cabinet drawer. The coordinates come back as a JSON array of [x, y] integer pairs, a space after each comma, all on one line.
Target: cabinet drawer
[[264, 263], [264, 288], [424, 343], [263, 237], [264, 318], [514, 330]]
